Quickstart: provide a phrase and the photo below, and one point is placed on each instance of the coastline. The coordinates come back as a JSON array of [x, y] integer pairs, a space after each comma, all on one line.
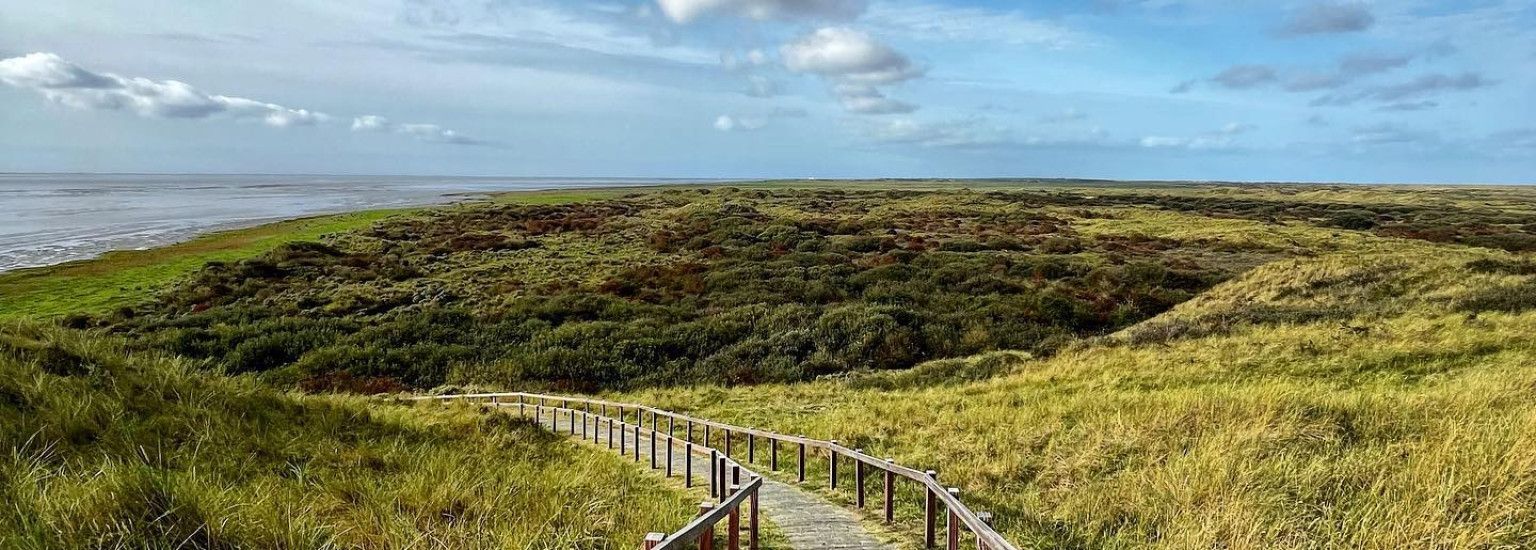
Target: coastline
[[121, 277]]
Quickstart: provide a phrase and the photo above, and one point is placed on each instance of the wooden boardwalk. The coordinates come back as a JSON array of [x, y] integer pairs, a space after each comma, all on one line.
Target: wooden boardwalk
[[808, 521], [659, 439]]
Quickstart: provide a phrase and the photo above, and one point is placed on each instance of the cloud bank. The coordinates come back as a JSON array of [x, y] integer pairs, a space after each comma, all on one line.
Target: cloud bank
[[70, 85]]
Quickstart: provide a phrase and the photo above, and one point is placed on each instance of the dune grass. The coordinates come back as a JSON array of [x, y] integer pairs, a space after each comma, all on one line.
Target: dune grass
[[104, 449], [1351, 400]]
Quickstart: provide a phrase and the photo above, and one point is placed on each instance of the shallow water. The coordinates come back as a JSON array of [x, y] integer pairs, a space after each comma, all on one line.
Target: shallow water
[[52, 218]]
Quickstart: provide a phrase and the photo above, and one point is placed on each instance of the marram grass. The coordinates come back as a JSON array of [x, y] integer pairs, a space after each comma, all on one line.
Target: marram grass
[[1399, 419], [102, 449]]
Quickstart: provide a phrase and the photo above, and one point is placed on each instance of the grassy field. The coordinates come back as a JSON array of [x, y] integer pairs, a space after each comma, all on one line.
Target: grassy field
[[1150, 365], [1374, 398], [124, 278], [105, 449]]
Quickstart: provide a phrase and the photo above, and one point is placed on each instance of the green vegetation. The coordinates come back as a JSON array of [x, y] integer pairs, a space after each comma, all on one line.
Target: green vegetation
[[728, 285], [107, 449], [128, 277], [1100, 365]]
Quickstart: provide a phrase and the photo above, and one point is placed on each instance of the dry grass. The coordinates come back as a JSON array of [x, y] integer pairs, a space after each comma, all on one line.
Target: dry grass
[[102, 449], [1405, 422]]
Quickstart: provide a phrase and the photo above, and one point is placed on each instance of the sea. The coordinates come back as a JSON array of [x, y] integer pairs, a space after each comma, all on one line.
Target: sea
[[47, 219]]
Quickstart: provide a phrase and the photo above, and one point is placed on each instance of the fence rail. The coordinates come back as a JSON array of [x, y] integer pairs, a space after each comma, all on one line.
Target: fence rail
[[959, 516]]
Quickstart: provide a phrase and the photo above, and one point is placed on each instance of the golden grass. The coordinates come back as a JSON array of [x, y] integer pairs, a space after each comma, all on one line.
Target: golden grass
[[102, 449], [1404, 424]]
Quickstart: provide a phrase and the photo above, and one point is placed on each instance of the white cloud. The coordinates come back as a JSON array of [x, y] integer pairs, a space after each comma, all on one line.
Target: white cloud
[[686, 11], [963, 133], [939, 22], [430, 133], [732, 123], [848, 55], [854, 63], [370, 123], [71, 85]]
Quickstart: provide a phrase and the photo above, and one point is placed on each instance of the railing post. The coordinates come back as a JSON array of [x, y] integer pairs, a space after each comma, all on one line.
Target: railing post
[[670, 443], [707, 538], [623, 439], [653, 539], [495, 401], [688, 464], [986, 518], [706, 436], [930, 510], [954, 522], [858, 479], [833, 456], [538, 415], [733, 525], [522, 408], [801, 476], [573, 422], [653, 449], [751, 448], [773, 452], [671, 425], [637, 442], [727, 442], [690, 431], [752, 519], [610, 434], [890, 490], [724, 478], [714, 473], [736, 473]]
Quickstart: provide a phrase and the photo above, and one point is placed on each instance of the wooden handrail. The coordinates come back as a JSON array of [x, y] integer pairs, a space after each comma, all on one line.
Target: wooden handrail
[[986, 536], [699, 525]]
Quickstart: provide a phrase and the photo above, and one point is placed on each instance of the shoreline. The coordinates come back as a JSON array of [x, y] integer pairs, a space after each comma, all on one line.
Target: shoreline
[[119, 277]]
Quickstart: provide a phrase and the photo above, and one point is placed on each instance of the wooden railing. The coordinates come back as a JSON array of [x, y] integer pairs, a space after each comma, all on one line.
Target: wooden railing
[[731, 496]]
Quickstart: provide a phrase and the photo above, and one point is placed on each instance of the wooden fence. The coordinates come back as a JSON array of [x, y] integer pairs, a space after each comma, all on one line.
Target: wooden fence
[[630, 420]]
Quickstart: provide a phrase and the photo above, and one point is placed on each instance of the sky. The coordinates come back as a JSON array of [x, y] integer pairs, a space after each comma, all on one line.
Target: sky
[[1407, 91]]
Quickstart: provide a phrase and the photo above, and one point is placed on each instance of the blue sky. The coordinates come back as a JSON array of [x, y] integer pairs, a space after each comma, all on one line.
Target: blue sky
[[1368, 91]]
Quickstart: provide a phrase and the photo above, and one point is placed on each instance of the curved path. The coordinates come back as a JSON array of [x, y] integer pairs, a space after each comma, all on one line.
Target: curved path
[[808, 521]]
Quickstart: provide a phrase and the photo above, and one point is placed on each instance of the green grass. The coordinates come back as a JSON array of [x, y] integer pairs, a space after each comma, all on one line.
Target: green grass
[[127, 277], [100, 448]]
